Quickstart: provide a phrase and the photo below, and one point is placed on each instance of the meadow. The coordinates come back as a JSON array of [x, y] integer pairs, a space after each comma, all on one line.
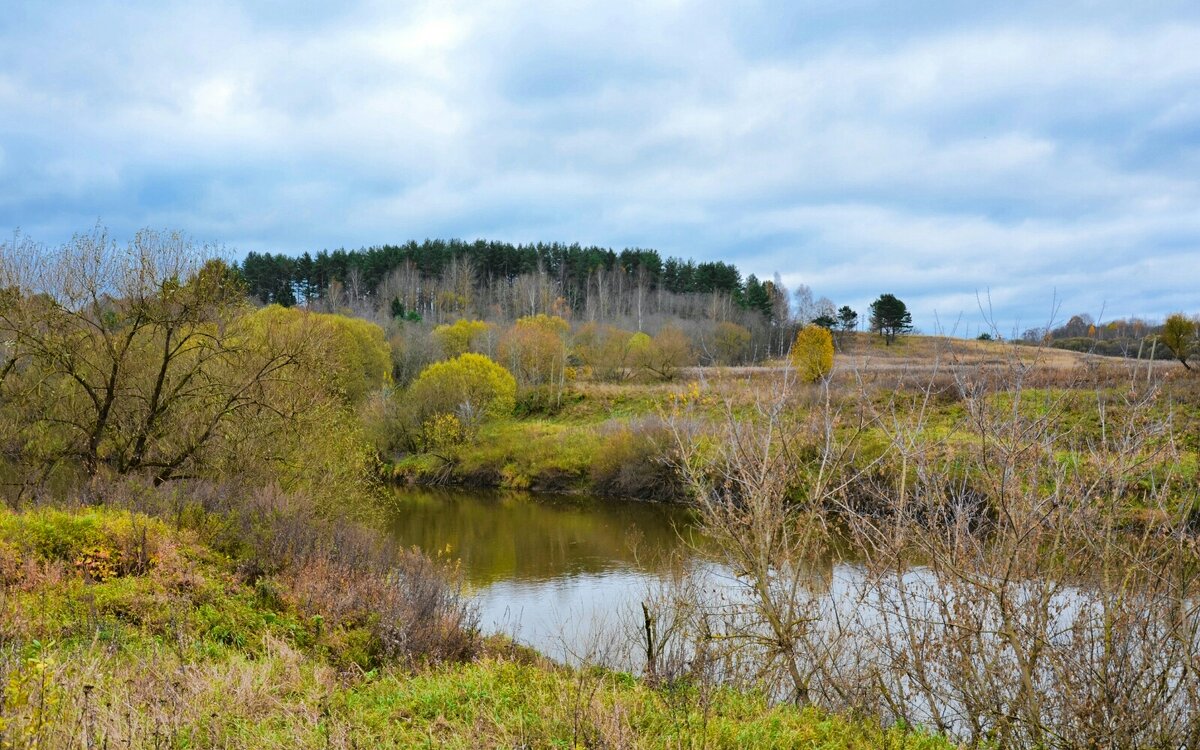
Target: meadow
[[194, 549]]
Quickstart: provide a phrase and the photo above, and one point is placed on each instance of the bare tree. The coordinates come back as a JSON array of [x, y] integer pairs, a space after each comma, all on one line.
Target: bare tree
[[132, 359], [761, 508], [806, 307]]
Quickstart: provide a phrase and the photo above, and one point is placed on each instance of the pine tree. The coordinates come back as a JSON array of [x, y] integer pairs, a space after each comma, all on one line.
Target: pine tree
[[847, 319], [890, 317]]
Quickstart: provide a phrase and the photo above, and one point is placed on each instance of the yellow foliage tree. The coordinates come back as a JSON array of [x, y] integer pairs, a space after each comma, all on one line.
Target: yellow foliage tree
[[609, 352], [351, 354], [535, 349], [470, 386], [442, 431], [461, 336], [669, 350], [639, 345], [147, 359], [812, 353]]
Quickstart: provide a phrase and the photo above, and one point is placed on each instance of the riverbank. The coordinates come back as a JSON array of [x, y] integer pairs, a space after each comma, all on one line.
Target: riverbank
[[121, 629], [617, 439]]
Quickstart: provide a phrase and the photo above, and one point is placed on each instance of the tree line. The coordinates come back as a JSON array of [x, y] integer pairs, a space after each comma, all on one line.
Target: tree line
[[288, 280], [411, 288], [151, 358], [1175, 337], [728, 318]]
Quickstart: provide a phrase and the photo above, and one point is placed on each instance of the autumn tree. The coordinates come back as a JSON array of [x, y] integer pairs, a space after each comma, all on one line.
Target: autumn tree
[[1076, 327], [535, 349], [890, 317], [730, 343], [611, 353], [142, 358], [348, 356], [462, 336], [812, 353], [668, 351], [470, 387], [1179, 335]]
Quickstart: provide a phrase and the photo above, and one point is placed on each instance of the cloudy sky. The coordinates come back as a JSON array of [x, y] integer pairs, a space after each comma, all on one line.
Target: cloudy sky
[[936, 151]]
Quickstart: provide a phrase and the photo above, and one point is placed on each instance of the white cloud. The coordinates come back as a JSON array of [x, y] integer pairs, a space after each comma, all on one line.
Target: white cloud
[[1025, 154]]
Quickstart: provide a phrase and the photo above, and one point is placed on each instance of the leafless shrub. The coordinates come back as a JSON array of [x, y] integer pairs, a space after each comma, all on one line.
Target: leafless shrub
[[760, 499], [988, 579], [1012, 602], [416, 611], [636, 460]]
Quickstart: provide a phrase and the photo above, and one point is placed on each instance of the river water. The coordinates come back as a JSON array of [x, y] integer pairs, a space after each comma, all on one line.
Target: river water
[[567, 576], [557, 573]]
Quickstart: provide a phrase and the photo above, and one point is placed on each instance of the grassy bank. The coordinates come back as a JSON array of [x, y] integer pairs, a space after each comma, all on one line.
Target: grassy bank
[[615, 438], [120, 630]]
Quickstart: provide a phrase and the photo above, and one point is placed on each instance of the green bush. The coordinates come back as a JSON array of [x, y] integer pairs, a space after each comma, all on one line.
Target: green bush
[[1179, 335], [730, 343]]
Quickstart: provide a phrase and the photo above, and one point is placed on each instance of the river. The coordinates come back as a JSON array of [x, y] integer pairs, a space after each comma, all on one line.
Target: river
[[554, 572], [567, 576]]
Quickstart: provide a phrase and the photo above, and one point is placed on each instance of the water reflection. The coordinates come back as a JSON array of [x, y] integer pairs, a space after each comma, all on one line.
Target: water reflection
[[508, 536], [555, 572]]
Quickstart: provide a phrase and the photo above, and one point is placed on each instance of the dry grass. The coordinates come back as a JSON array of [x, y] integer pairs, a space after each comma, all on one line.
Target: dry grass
[[573, 449], [282, 699], [185, 653]]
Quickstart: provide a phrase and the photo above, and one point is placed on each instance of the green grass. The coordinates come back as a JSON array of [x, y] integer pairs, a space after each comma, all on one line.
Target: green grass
[[182, 653], [499, 702], [571, 448], [278, 699]]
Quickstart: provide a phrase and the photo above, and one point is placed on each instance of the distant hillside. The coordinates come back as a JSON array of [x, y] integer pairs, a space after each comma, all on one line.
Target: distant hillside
[[287, 280], [440, 281], [1130, 338]]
